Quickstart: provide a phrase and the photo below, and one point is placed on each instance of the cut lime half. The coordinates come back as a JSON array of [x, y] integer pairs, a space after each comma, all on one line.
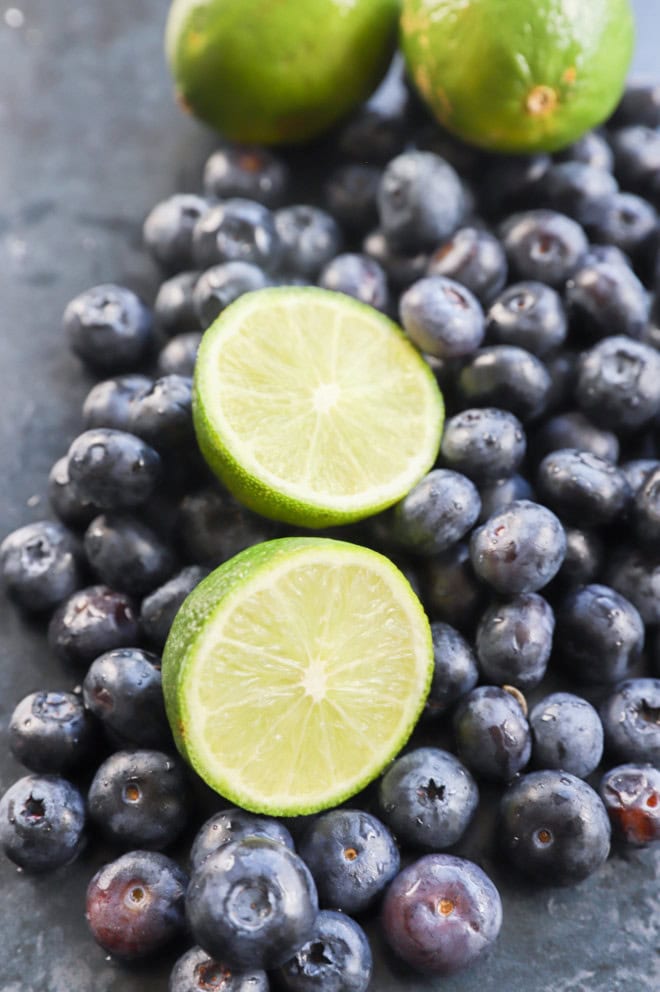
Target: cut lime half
[[295, 672], [314, 408]]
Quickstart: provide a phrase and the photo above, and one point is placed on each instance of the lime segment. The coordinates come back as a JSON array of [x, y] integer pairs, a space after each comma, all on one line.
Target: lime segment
[[295, 672]]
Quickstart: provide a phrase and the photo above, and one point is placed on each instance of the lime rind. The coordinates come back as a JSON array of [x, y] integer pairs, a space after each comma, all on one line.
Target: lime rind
[[199, 628]]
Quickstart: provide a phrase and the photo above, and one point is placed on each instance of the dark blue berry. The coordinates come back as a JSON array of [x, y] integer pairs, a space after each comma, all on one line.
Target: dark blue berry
[[631, 794], [562, 369], [567, 734], [435, 514], [605, 299], [168, 230], [213, 526], [179, 354], [600, 635], [51, 732], [628, 222], [243, 170], [529, 315], [637, 472], [506, 377], [497, 495], [65, 499], [591, 149], [442, 317], [139, 799], [402, 269], [485, 444], [91, 621], [584, 558], [40, 565], [372, 135], [174, 310], [123, 689], [581, 487], [637, 159], [109, 328], [221, 285], [640, 104], [476, 259], [135, 905], [492, 734], [351, 193], [352, 857], [578, 189], [359, 276], [310, 239], [113, 469], [514, 641], [237, 230], [619, 383], [336, 958], [161, 413], [451, 590], [126, 554], [631, 721], [420, 201], [158, 609], [195, 971], [554, 827], [543, 245], [574, 430], [252, 904], [455, 669], [646, 509], [42, 819], [441, 914], [108, 403], [635, 573], [235, 824]]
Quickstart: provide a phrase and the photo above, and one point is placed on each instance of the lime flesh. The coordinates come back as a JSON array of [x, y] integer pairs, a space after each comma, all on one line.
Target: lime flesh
[[295, 672]]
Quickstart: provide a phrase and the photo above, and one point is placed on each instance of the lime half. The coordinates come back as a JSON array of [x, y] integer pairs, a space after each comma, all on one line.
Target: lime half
[[313, 408], [295, 672]]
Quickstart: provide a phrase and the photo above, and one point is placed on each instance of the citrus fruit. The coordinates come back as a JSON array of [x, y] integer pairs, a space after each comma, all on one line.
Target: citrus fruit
[[295, 672], [268, 72], [314, 408], [518, 75]]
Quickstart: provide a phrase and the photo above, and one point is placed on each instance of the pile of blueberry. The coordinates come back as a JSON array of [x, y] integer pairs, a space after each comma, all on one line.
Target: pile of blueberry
[[533, 287]]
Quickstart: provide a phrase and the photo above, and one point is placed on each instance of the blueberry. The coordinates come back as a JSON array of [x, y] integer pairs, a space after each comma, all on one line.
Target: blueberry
[[139, 799], [336, 958], [168, 230], [631, 794], [519, 549], [605, 299], [310, 238], [127, 555], [566, 734], [600, 635], [563, 370], [637, 158], [640, 104], [578, 189], [108, 403], [435, 514], [402, 269], [179, 354], [646, 509], [64, 498], [195, 971], [609, 254], [637, 472], [497, 495], [221, 285], [159, 608], [51, 732], [455, 669], [492, 734], [574, 430], [441, 914], [135, 905], [428, 798], [359, 276], [213, 526], [476, 259], [109, 328], [235, 824], [420, 201], [372, 135], [91, 621], [40, 565], [635, 573], [591, 149], [113, 469], [246, 171], [626, 221], [442, 317], [631, 721], [581, 487], [451, 590], [584, 558], [123, 689], [508, 378], [514, 641], [252, 904], [351, 192], [352, 857], [42, 819], [161, 413], [237, 230], [529, 315], [554, 827], [512, 182], [174, 311], [485, 444], [543, 245], [619, 383]]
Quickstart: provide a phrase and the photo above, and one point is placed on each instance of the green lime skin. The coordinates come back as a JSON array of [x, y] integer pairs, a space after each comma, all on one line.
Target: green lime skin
[[518, 76], [272, 72]]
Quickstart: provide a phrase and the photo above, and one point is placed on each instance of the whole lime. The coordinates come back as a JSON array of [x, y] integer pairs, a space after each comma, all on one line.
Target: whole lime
[[518, 75], [278, 71]]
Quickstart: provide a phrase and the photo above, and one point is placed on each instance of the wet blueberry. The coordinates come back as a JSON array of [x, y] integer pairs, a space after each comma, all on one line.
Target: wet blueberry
[[492, 734], [529, 315], [51, 732], [237, 230], [485, 444], [635, 573], [508, 378], [592, 149], [543, 245], [452, 592], [235, 824], [195, 971], [243, 170], [213, 526], [108, 403], [126, 554], [512, 182], [351, 193], [174, 311], [631, 721], [640, 104], [455, 669], [637, 472], [161, 413], [42, 819], [637, 159], [310, 238], [420, 201], [123, 689], [359, 276], [600, 635], [514, 641], [474, 258], [159, 608], [619, 383], [584, 558], [567, 734], [435, 514], [578, 189], [581, 487], [402, 269], [574, 430], [628, 222], [109, 328], [221, 285], [40, 564], [497, 495], [113, 469], [64, 498], [336, 958], [168, 230], [442, 317], [179, 354], [646, 509], [605, 299], [91, 621], [631, 794]]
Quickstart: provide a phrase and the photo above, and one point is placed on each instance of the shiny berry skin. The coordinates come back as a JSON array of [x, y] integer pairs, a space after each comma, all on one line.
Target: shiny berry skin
[[108, 403], [635, 573], [474, 258], [574, 430], [234, 824], [600, 635], [497, 495], [637, 472], [135, 904], [337, 958], [358, 276], [123, 689], [640, 104], [543, 245], [51, 732], [179, 354], [646, 510], [195, 971], [512, 182], [554, 827], [485, 444], [161, 413], [109, 328], [442, 317], [126, 554], [310, 238], [91, 621], [420, 201], [581, 487], [40, 564], [631, 794], [631, 721], [113, 469], [584, 558], [402, 269], [139, 799], [520, 549], [604, 299], [529, 315], [619, 383], [63, 496], [428, 798], [508, 378], [248, 171], [626, 221], [435, 514], [42, 820], [174, 311], [492, 734], [158, 609], [578, 189], [566, 734], [252, 904], [441, 914], [514, 641], [351, 193], [451, 590], [455, 669], [168, 230], [237, 230], [213, 526], [592, 149], [221, 285], [637, 159]]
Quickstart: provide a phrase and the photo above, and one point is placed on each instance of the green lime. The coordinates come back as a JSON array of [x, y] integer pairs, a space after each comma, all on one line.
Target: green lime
[[271, 72], [518, 75], [295, 672], [313, 408]]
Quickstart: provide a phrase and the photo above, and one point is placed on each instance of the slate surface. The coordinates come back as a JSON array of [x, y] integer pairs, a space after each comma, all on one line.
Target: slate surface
[[89, 140]]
